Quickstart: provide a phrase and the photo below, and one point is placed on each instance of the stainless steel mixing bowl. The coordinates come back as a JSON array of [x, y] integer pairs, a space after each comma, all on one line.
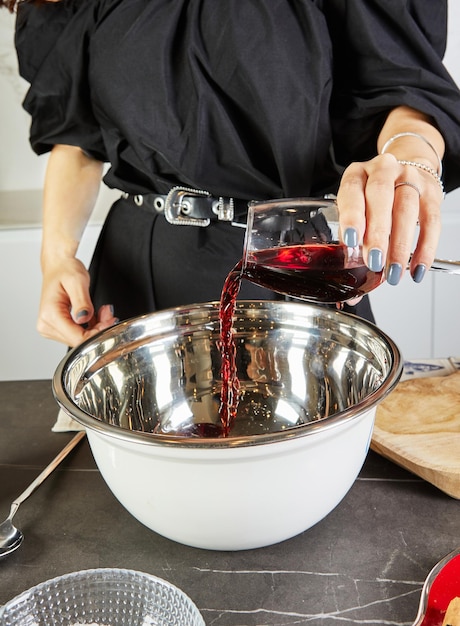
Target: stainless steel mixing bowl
[[148, 392]]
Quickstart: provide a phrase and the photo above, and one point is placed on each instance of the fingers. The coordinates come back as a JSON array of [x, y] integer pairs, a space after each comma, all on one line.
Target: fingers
[[65, 288], [429, 233], [54, 322], [61, 327], [66, 313], [383, 204], [403, 228], [104, 319], [105, 315], [365, 200]]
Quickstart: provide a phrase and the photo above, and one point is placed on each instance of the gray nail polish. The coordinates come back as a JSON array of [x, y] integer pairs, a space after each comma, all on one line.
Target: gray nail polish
[[82, 313], [375, 260], [394, 274], [350, 237], [419, 273]]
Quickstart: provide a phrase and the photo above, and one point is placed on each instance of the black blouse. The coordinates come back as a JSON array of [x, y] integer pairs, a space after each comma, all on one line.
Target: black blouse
[[252, 99]]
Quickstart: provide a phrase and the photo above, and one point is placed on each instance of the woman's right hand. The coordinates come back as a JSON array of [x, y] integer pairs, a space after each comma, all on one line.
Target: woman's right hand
[[66, 313]]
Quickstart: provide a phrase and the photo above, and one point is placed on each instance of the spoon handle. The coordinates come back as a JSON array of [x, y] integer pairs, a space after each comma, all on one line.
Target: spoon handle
[[443, 265], [46, 472]]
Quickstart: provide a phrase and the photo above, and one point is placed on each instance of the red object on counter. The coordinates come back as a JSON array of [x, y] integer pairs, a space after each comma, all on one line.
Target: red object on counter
[[444, 588]]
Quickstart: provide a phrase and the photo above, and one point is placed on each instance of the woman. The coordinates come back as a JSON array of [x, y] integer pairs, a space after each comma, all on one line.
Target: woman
[[245, 100]]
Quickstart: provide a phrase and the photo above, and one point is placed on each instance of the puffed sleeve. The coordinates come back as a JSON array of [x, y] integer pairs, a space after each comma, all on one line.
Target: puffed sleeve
[[52, 48], [388, 53]]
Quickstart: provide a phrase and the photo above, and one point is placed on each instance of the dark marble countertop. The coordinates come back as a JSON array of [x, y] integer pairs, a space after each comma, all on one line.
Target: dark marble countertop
[[363, 564]]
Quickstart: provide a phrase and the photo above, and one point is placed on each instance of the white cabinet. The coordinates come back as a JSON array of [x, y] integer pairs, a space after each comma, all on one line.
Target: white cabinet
[[424, 319], [25, 355]]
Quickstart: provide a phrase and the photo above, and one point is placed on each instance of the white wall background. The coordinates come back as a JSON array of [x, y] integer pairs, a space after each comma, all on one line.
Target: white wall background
[[19, 167], [423, 319]]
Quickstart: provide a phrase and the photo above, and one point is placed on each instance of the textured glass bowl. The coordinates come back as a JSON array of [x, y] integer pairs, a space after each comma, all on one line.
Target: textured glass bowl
[[102, 597]]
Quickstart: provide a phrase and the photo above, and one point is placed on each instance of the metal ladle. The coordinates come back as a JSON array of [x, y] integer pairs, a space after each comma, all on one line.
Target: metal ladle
[[10, 536]]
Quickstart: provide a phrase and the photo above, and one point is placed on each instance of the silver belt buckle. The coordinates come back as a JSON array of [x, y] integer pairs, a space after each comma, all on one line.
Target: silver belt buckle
[[224, 208], [178, 208]]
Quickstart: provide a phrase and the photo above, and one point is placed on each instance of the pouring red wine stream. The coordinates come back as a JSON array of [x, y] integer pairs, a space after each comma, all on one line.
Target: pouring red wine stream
[[327, 273]]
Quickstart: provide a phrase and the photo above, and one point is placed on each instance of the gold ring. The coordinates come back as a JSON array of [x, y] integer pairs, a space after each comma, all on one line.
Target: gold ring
[[409, 185]]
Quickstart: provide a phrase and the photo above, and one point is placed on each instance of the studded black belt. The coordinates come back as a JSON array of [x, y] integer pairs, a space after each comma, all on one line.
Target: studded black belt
[[184, 206]]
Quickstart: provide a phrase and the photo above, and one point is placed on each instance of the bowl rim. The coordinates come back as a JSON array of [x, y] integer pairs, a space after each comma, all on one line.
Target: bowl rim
[[92, 423]]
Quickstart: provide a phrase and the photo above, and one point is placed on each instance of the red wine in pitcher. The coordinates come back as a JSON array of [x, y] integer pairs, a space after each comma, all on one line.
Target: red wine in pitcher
[[327, 273], [318, 272]]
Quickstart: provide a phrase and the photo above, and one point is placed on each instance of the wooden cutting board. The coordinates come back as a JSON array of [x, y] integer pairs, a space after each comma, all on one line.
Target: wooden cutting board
[[418, 427]]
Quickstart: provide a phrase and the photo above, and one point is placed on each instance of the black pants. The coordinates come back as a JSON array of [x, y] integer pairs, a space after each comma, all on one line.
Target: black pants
[[143, 264]]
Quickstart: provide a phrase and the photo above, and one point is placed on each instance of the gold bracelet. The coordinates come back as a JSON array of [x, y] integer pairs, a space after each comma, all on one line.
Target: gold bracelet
[[409, 134], [425, 168]]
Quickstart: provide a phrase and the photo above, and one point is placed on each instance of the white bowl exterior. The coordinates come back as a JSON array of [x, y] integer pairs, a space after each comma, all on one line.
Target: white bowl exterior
[[235, 498]]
